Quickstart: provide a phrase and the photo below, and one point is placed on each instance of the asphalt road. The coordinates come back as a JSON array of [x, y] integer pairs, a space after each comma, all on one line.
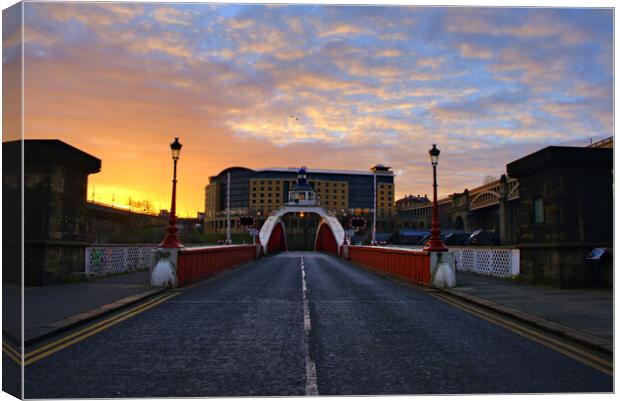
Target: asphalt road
[[244, 333]]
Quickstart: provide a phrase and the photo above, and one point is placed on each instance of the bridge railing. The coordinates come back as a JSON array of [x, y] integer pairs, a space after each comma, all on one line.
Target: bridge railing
[[196, 264], [410, 265], [103, 260], [497, 261], [490, 261]]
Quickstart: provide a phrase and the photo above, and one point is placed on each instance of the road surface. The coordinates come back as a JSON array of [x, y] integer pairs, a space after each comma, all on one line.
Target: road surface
[[304, 323]]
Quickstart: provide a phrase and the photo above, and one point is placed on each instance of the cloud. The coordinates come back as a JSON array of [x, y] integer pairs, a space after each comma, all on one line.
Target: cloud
[[169, 15], [474, 51], [494, 105], [340, 29], [380, 83], [91, 14], [388, 53]]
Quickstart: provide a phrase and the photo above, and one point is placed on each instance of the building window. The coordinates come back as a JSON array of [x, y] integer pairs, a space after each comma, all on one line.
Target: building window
[[539, 211]]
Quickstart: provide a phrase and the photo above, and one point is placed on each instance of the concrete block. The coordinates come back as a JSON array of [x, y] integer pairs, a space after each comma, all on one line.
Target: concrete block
[[443, 270], [164, 272]]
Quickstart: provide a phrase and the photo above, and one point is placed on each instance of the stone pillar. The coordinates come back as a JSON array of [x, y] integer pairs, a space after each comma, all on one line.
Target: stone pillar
[[55, 186], [164, 271], [504, 212], [466, 203], [443, 270]]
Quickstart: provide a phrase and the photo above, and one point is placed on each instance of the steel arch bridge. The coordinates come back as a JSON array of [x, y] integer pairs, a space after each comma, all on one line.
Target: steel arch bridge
[[329, 236]]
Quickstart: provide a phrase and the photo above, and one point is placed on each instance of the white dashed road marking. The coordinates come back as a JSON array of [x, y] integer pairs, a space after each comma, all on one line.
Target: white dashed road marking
[[311, 386]]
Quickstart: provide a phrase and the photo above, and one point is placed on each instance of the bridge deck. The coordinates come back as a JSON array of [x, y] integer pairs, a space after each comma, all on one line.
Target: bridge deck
[[247, 333]]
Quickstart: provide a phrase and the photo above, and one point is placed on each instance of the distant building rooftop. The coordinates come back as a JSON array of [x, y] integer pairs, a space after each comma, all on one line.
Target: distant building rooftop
[[603, 143], [315, 171]]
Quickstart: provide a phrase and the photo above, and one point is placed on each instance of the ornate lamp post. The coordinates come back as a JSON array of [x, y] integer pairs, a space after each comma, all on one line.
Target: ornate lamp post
[[435, 244], [172, 239], [373, 233]]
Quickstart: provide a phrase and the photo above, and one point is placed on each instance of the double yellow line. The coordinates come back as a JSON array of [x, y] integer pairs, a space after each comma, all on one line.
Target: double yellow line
[[582, 355], [14, 355], [80, 335]]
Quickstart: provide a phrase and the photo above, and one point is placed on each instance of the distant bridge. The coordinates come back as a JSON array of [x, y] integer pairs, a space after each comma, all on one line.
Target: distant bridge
[[483, 196], [469, 210]]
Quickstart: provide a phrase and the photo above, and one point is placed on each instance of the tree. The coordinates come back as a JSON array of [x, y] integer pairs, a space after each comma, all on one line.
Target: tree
[[144, 206], [489, 179]]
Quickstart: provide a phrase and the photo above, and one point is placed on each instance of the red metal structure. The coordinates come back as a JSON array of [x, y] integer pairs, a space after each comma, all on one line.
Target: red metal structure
[[195, 264], [435, 244], [409, 265], [277, 240], [325, 240], [172, 238]]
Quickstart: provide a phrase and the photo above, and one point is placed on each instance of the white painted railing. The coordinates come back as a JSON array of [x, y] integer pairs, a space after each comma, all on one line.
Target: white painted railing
[[102, 260], [490, 261]]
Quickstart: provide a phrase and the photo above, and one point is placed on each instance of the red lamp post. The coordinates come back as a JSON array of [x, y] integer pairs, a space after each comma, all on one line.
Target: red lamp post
[[172, 239], [435, 244]]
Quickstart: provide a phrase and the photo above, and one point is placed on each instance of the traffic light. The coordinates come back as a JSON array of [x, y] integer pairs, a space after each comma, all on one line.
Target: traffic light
[[246, 221], [358, 222]]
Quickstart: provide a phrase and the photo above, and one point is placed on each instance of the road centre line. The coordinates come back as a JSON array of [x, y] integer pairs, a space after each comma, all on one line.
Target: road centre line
[[311, 383]]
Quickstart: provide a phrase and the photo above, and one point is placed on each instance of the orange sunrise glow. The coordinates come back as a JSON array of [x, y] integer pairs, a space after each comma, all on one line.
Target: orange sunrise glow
[[366, 85]]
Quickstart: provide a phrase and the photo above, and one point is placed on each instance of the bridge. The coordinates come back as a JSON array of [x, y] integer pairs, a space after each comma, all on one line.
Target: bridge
[[330, 235], [248, 320], [302, 200], [295, 324], [243, 320], [491, 206]]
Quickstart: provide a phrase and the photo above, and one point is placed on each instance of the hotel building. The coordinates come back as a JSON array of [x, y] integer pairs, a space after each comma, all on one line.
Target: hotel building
[[258, 192]]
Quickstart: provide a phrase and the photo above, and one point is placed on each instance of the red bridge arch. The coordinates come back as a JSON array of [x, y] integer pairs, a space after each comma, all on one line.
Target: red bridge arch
[[277, 240], [325, 240], [330, 238]]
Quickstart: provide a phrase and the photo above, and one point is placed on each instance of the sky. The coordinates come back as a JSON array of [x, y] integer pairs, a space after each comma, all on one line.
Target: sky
[[328, 87]]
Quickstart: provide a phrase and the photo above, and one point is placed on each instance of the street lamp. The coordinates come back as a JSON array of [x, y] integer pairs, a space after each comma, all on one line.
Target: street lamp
[[172, 239], [435, 244], [373, 233]]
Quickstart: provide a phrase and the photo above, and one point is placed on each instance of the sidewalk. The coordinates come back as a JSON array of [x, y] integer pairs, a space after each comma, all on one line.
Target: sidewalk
[[51, 309], [584, 315]]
